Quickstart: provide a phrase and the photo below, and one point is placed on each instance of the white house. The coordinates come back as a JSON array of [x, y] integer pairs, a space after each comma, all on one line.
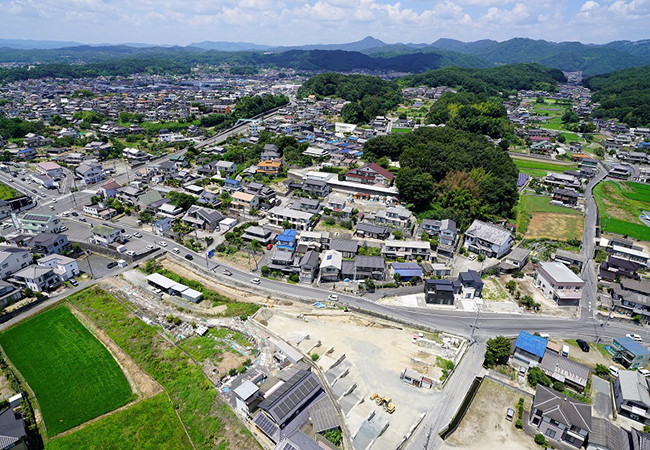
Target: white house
[[90, 173], [106, 235], [63, 266], [559, 283], [488, 238], [12, 259]]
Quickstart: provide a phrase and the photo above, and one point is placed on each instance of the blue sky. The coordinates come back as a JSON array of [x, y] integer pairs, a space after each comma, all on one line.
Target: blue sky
[[285, 22]]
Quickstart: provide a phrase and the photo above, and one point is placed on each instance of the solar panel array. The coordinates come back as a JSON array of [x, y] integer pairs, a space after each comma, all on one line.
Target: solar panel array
[[294, 398], [265, 424], [289, 446], [36, 217]]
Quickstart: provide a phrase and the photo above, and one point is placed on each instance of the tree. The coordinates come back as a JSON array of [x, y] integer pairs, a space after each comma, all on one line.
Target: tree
[[561, 139], [397, 277], [601, 370], [536, 376], [570, 116], [352, 113], [369, 285], [511, 285], [558, 386], [498, 351], [398, 235], [540, 439]]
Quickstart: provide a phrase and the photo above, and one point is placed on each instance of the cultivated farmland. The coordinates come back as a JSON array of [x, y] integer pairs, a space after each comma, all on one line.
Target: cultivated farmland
[[619, 206], [73, 376], [538, 218]]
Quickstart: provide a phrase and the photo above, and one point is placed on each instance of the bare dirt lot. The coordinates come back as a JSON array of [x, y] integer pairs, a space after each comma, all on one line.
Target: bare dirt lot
[[527, 287], [485, 426], [555, 226]]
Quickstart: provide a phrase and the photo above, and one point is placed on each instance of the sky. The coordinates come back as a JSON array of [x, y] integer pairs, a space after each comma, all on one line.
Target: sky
[[290, 22]]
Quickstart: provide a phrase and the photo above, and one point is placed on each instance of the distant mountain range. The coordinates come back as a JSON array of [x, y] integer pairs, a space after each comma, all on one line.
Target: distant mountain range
[[570, 56]]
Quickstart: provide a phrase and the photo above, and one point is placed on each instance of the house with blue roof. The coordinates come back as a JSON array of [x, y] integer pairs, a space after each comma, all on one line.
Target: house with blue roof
[[231, 185], [629, 353], [287, 240], [529, 349], [407, 270]]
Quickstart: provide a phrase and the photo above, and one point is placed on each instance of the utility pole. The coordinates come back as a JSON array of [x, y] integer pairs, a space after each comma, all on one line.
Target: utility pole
[[478, 313]]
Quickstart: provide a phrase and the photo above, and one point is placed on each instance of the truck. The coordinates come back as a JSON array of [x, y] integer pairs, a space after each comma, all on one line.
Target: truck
[[565, 351]]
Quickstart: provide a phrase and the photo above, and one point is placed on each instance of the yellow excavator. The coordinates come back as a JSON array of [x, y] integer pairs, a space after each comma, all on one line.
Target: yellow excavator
[[385, 402]]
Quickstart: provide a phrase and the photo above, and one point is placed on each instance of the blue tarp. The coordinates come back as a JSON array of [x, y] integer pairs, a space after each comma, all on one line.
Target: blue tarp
[[534, 345]]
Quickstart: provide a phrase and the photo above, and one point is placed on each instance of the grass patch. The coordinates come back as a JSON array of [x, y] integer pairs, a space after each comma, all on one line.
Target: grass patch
[[540, 168], [530, 204], [620, 204], [401, 130], [446, 365], [555, 226], [7, 192], [150, 423], [209, 421], [73, 376]]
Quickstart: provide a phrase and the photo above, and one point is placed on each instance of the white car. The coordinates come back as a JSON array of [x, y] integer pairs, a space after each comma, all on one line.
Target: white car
[[644, 372], [136, 234], [176, 250], [130, 252], [613, 371], [333, 298], [53, 200], [150, 247], [256, 281], [162, 243], [5, 225], [64, 228], [636, 337]]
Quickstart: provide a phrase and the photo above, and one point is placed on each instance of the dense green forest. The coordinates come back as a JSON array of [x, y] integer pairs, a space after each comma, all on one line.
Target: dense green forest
[[449, 173], [370, 96], [491, 81], [624, 95], [18, 128], [475, 113]]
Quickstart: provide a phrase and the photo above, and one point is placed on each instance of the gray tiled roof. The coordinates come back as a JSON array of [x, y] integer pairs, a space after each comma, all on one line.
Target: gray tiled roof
[[562, 408]]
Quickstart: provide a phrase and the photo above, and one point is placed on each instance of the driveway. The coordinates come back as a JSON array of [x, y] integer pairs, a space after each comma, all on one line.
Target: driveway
[[602, 397]]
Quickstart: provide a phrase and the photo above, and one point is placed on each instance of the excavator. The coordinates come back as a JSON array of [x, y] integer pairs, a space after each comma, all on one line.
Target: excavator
[[385, 402]]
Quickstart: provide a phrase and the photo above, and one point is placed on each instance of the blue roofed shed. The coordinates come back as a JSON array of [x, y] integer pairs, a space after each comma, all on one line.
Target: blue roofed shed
[[407, 270], [529, 349]]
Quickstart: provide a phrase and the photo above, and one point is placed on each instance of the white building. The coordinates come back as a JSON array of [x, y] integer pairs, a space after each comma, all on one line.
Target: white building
[[50, 169], [559, 283], [488, 238], [408, 250], [12, 259], [63, 266]]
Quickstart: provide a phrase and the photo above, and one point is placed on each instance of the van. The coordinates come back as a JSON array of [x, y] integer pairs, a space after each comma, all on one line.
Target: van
[[176, 250], [121, 248], [565, 351], [613, 371], [544, 335]]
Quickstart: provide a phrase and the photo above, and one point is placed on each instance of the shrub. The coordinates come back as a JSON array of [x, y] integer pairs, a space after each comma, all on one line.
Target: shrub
[[536, 376], [601, 370], [314, 357], [265, 270], [519, 424], [558, 386], [540, 439]]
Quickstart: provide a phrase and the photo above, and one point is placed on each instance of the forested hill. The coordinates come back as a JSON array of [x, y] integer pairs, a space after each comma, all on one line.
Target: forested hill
[[370, 96], [449, 173], [624, 95], [491, 80]]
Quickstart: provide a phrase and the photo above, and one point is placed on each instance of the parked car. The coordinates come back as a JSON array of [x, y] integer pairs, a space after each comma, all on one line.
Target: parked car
[[333, 298], [111, 264], [189, 257], [176, 250], [137, 234], [83, 219], [256, 281], [613, 371], [5, 225], [75, 213], [583, 345], [227, 272], [162, 243], [74, 282], [130, 252], [644, 372], [149, 247], [636, 337], [269, 247], [510, 414]]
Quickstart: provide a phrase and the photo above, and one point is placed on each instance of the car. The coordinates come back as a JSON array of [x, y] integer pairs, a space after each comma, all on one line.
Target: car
[[22, 178], [34, 191], [126, 236], [636, 337], [472, 257], [227, 272], [42, 195], [150, 247], [64, 228], [52, 207], [75, 213], [111, 264], [269, 247], [5, 225], [333, 298], [256, 281], [644, 372], [583, 345], [162, 243], [510, 414], [65, 213], [136, 234], [189, 257], [522, 370], [613, 371], [83, 219], [176, 250], [53, 200], [130, 252], [74, 282]]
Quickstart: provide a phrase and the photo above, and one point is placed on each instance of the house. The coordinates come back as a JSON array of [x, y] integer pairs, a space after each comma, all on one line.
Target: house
[[319, 188], [414, 378], [225, 167], [347, 247], [559, 283], [570, 259], [232, 185], [269, 167], [529, 349], [37, 278], [43, 180], [106, 235], [167, 169], [167, 209], [50, 169], [515, 260], [8, 294], [262, 235], [109, 189], [282, 261], [162, 225], [559, 368], [244, 202], [615, 268], [299, 220], [99, 210], [471, 284], [39, 223], [394, 216], [621, 171], [629, 353], [12, 260], [408, 250], [209, 199], [308, 266], [440, 292], [560, 417], [488, 238], [171, 287], [247, 396], [605, 435], [48, 243], [13, 432], [306, 204], [369, 267], [407, 271], [90, 172], [203, 218], [63, 266], [444, 229], [632, 297], [287, 240], [371, 173], [331, 265], [561, 180], [369, 231], [566, 197], [632, 395], [265, 193]]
